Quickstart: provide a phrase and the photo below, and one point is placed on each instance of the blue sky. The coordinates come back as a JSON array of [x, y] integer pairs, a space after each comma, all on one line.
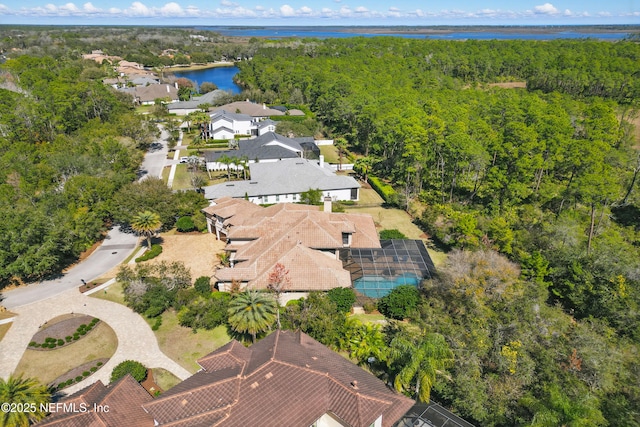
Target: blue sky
[[319, 12]]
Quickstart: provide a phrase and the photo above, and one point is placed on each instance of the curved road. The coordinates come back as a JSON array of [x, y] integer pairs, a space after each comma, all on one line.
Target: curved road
[[37, 303]]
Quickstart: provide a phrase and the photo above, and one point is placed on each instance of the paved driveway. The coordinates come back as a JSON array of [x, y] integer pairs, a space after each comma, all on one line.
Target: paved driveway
[[115, 248], [136, 340]]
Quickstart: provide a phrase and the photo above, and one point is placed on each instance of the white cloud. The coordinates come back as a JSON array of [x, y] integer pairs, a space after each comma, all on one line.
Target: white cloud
[[286, 10], [172, 9], [306, 10], [546, 9], [361, 9], [90, 8], [138, 9]]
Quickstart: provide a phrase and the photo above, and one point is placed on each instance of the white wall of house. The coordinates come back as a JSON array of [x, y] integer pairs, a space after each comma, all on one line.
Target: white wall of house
[[222, 133], [270, 128], [324, 142], [327, 421]]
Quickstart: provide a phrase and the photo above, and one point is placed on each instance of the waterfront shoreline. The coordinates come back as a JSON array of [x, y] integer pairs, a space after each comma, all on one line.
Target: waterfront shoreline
[[196, 67]]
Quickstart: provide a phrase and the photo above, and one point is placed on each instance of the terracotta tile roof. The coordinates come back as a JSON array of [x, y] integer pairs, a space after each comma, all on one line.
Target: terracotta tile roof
[[301, 237], [123, 399], [289, 380]]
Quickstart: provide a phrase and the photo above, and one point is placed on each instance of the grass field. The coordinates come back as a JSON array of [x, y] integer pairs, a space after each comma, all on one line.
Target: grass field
[[164, 378], [369, 196], [184, 346], [330, 154], [112, 293], [48, 365], [368, 318]]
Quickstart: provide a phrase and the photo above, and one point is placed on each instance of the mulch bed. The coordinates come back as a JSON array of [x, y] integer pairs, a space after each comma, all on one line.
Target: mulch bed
[[150, 385], [61, 329], [77, 372], [84, 288]]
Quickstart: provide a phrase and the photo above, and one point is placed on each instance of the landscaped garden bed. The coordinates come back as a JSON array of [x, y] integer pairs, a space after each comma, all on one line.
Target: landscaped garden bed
[[64, 332], [78, 374]]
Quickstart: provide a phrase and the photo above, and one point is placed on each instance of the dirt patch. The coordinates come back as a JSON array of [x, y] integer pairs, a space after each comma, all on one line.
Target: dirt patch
[[196, 251], [509, 85], [150, 384]]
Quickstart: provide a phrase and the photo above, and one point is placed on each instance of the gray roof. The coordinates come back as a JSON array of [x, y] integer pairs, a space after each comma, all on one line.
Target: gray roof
[[220, 114], [207, 98], [265, 123], [265, 147], [287, 176]]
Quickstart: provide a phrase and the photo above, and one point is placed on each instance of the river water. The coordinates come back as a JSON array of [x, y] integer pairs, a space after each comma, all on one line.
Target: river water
[[221, 76]]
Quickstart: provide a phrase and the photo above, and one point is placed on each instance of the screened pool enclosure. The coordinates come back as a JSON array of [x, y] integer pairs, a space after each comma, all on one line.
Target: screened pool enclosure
[[376, 271]]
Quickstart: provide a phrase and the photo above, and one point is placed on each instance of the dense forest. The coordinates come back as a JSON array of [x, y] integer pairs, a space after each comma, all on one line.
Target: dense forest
[[535, 189], [532, 192]]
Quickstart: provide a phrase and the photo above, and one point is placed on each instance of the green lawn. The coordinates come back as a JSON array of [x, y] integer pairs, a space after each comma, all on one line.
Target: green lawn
[[330, 154], [48, 365], [368, 318], [184, 346], [164, 378], [112, 293]]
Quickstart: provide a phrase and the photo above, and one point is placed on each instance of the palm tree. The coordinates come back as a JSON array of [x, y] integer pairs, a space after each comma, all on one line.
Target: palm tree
[[341, 145], [252, 312], [363, 341], [146, 223], [420, 362], [25, 392], [226, 160]]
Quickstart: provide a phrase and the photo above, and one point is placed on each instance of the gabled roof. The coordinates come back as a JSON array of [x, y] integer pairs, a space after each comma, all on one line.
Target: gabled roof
[[250, 108], [272, 138], [288, 379], [227, 207], [124, 399], [287, 176], [153, 92], [228, 116], [208, 98], [300, 237]]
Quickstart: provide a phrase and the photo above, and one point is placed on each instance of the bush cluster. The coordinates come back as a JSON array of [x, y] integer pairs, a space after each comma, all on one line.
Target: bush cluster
[[151, 253], [185, 224], [51, 342], [137, 370]]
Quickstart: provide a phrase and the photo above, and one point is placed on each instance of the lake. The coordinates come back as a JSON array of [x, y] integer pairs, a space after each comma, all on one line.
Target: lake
[[220, 76], [524, 33]]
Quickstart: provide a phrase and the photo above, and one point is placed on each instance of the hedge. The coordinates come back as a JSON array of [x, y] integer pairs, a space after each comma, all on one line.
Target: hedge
[[152, 253], [383, 189]]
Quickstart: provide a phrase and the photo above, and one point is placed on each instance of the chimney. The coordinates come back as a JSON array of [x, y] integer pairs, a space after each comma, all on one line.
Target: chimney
[[264, 106], [327, 204], [168, 89], [321, 161], [176, 84]]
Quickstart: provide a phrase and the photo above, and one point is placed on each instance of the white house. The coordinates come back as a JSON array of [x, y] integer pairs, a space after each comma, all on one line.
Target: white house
[[226, 125], [284, 181]]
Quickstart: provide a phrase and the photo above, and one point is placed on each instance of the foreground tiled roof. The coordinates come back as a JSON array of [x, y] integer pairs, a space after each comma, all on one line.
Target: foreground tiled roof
[[286, 379], [250, 108], [123, 399]]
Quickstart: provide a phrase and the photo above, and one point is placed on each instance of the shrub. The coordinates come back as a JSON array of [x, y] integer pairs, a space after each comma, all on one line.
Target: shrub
[[82, 332], [79, 378], [157, 323], [385, 191], [32, 344], [185, 224], [152, 253], [76, 336], [203, 285], [99, 364], [94, 321], [400, 302], [369, 307], [68, 338], [343, 298], [93, 369], [137, 370], [391, 234], [86, 373], [60, 343]]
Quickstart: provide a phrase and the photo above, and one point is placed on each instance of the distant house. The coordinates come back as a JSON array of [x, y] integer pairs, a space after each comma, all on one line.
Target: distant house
[[285, 180], [269, 147], [305, 239], [183, 108], [147, 95], [226, 125]]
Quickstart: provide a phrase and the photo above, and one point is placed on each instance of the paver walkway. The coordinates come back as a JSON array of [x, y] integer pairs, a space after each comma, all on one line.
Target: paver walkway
[[136, 340]]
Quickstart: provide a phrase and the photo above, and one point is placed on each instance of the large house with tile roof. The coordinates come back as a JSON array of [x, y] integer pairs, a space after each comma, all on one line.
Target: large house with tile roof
[[303, 238], [287, 379]]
